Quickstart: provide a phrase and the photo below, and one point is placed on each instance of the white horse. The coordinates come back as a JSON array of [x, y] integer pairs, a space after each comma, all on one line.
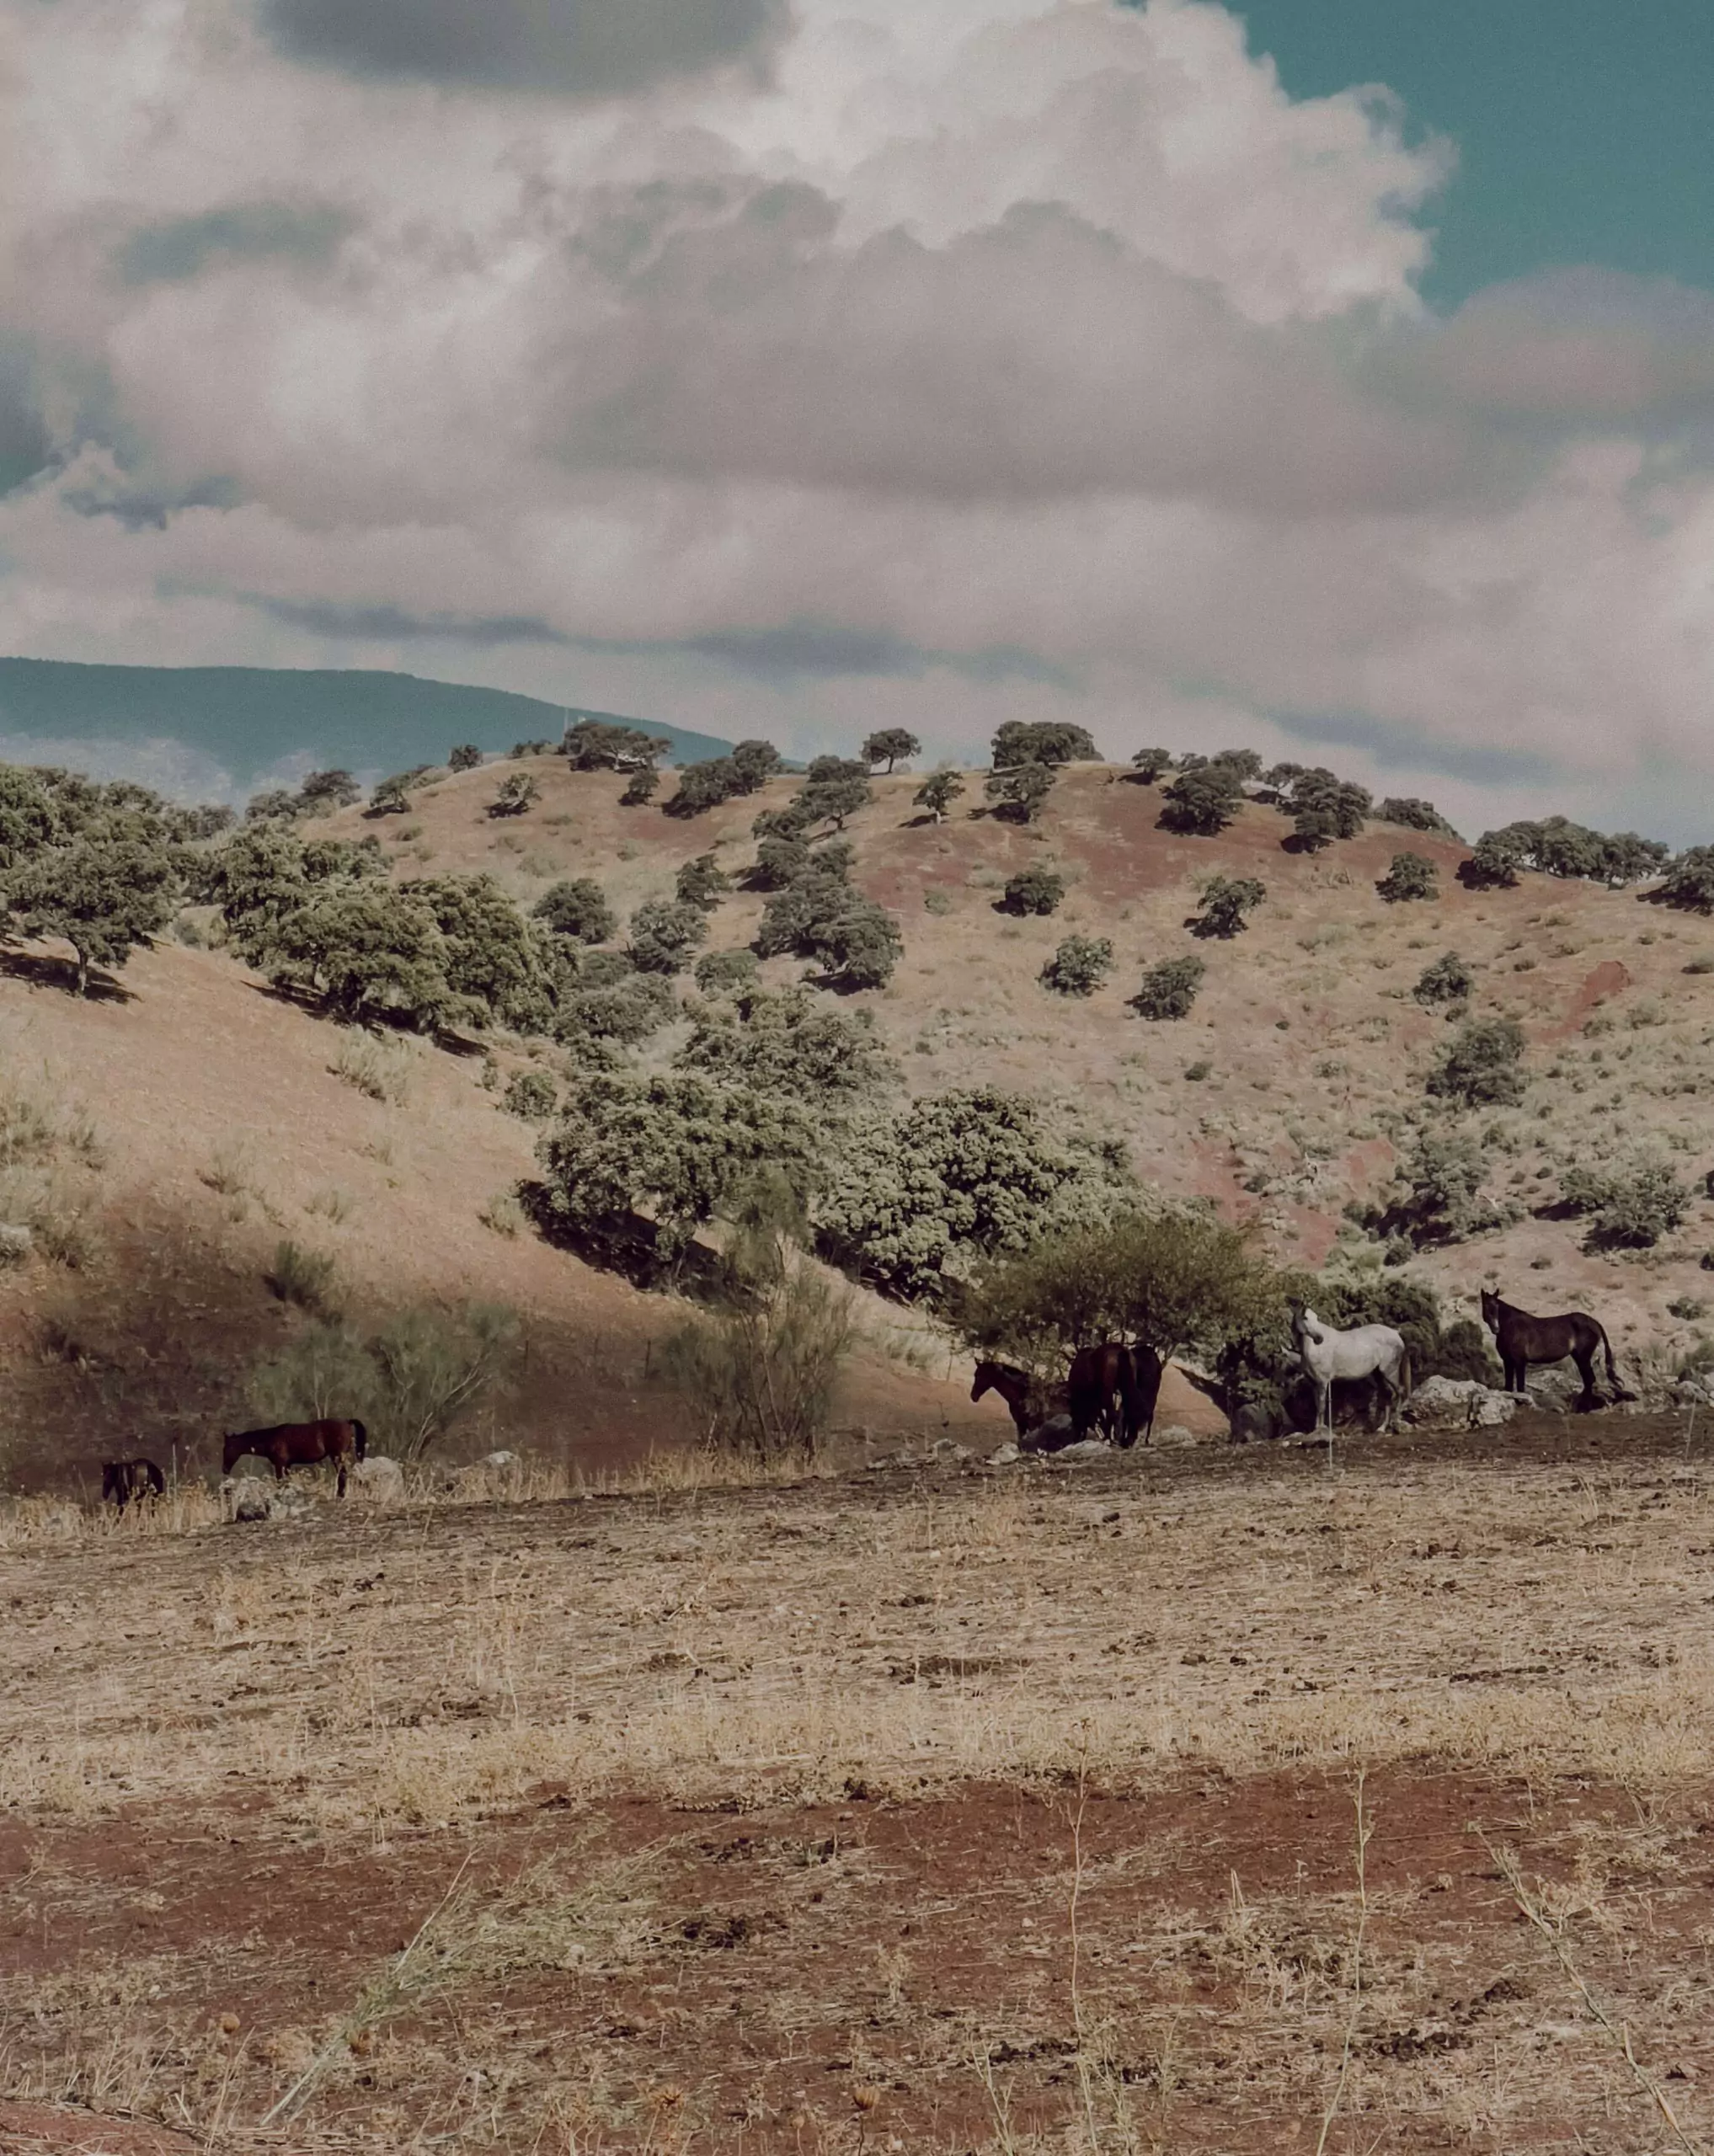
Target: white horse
[[1365, 1350]]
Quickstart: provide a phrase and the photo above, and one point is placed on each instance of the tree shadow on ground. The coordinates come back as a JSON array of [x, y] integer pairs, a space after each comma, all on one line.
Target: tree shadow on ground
[[40, 970]]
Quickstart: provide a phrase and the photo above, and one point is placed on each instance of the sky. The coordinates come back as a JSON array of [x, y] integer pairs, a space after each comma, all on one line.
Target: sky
[[1329, 378]]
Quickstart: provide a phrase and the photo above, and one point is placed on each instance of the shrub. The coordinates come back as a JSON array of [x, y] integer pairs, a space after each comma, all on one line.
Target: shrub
[[578, 908], [705, 786], [1409, 877], [833, 789], [323, 1373], [1168, 988], [323, 791], [1021, 792], [519, 791], [1079, 966], [818, 915], [1449, 979], [1042, 741], [1153, 764], [703, 883], [789, 1043], [434, 1368], [1202, 801], [1225, 902], [465, 757], [891, 746], [381, 1070], [626, 1010], [1037, 889], [662, 935], [1556, 846], [1442, 1177], [938, 899], [937, 794], [532, 1095], [493, 962], [306, 1278], [721, 973], [1481, 1066], [754, 763], [1631, 1205], [1688, 884], [780, 860], [390, 797], [368, 951], [1414, 814], [641, 788]]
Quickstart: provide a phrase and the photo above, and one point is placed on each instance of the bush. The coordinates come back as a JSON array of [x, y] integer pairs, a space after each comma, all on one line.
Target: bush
[[754, 763], [626, 1010], [818, 915], [519, 792], [790, 1043], [1033, 891], [780, 860], [1481, 1066], [705, 786], [1414, 814], [323, 791], [1409, 877], [1202, 801], [1079, 967], [578, 908], [1442, 1177], [1153, 764], [532, 1095], [1020, 793], [703, 883], [1168, 988], [306, 1278], [641, 788], [435, 1367], [723, 973], [1632, 1205], [937, 794], [467, 757], [367, 950], [390, 797], [1556, 846], [1689, 883], [1225, 902], [379, 1069], [891, 746], [1042, 741], [493, 962], [664, 933], [1449, 979]]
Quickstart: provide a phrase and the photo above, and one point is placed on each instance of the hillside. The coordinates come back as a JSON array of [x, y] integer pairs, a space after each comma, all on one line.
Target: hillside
[[244, 720]]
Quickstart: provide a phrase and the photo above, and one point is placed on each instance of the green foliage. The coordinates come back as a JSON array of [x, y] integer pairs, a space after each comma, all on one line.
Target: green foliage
[[1631, 1204], [1556, 846], [309, 1278], [791, 1044], [1079, 966], [1036, 889], [1153, 764], [664, 933], [493, 965], [892, 746], [915, 1197], [1480, 1066], [1225, 902], [519, 792], [30, 819], [1021, 792], [1409, 877], [434, 1368], [938, 792], [722, 973], [703, 883], [465, 757], [705, 786], [1441, 1180], [1449, 979], [1689, 883], [578, 908], [819, 914], [780, 860], [112, 887], [755, 763], [624, 1007], [1168, 988], [390, 797], [834, 788], [594, 745], [532, 1095], [1414, 814], [367, 950], [641, 788], [674, 1149], [323, 791], [1042, 741], [1202, 801], [1323, 807]]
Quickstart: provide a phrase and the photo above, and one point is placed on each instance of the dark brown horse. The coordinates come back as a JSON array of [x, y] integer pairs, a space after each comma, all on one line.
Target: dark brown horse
[[1522, 1340], [1117, 1388], [299, 1444], [129, 1481], [1031, 1401]]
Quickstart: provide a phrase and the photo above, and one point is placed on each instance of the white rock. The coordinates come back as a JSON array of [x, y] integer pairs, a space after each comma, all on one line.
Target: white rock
[[496, 1460], [1172, 1434], [1458, 1404], [249, 1497], [1007, 1456], [377, 1478], [1085, 1448], [16, 1243], [1052, 1436]]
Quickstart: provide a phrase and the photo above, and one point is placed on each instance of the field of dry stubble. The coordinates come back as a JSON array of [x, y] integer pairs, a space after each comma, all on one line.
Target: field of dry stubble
[[1208, 1800]]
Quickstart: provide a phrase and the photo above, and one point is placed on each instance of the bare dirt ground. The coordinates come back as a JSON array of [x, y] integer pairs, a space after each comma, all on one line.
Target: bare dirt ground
[[1188, 1800]]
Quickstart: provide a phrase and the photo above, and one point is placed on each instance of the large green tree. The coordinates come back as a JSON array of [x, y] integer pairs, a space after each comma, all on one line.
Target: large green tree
[[105, 892]]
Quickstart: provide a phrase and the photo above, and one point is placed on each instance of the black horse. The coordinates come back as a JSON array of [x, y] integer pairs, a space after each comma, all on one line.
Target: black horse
[[1115, 1388], [1030, 1401], [1522, 1340], [129, 1481]]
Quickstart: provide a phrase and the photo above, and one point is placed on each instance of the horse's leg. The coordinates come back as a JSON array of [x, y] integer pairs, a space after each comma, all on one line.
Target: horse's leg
[[1585, 1362], [1324, 1406]]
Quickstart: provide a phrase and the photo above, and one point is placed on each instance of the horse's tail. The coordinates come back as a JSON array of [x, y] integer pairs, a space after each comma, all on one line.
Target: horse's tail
[[361, 1437], [1613, 1377]]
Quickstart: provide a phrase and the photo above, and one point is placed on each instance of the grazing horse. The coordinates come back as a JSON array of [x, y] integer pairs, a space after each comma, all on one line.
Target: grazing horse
[[129, 1481], [299, 1444], [1117, 1388], [1365, 1350], [1522, 1340], [1025, 1396]]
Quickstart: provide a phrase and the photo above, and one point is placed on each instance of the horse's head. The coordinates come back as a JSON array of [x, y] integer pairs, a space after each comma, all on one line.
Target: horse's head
[[1307, 1324], [1490, 1309], [234, 1452], [985, 1378]]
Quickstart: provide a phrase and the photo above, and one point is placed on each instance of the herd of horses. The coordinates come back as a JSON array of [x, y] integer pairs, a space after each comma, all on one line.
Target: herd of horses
[[1112, 1390], [284, 1446]]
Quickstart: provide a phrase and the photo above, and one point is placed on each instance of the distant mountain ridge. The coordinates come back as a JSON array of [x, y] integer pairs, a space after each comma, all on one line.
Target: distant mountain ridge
[[247, 719]]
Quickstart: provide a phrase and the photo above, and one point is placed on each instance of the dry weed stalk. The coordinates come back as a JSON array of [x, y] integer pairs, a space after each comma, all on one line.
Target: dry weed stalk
[[1364, 1831], [1618, 2032]]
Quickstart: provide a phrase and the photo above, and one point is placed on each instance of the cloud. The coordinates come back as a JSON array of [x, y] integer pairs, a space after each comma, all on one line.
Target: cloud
[[583, 48], [389, 624], [178, 248]]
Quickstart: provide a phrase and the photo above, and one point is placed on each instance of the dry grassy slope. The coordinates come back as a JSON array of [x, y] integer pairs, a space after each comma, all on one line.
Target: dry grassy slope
[[1306, 1020]]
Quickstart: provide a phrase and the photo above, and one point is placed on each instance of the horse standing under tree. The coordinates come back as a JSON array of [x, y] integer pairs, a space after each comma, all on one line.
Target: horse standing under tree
[[1116, 1387], [129, 1481], [1522, 1340], [1030, 1401], [299, 1444], [1365, 1350]]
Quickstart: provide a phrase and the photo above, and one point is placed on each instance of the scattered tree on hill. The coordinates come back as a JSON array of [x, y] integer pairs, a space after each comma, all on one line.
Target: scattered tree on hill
[[1079, 966], [1020, 793], [105, 892], [1440, 1191], [1168, 989], [367, 950], [724, 973], [1480, 1066], [390, 797], [577, 908], [1323, 807], [792, 1043], [916, 1196], [1153, 764], [1244, 765], [519, 792], [491, 962], [1632, 1203], [892, 746], [465, 757], [703, 883], [613, 1003], [596, 744], [1036, 889], [1449, 979], [1042, 741], [1202, 800], [323, 791], [1556, 846], [278, 805], [1409, 877], [664, 933], [702, 787], [641, 788], [191, 826], [1414, 814], [819, 914], [833, 789], [1226, 903], [753, 764], [780, 859], [937, 794], [1689, 883], [29, 817]]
